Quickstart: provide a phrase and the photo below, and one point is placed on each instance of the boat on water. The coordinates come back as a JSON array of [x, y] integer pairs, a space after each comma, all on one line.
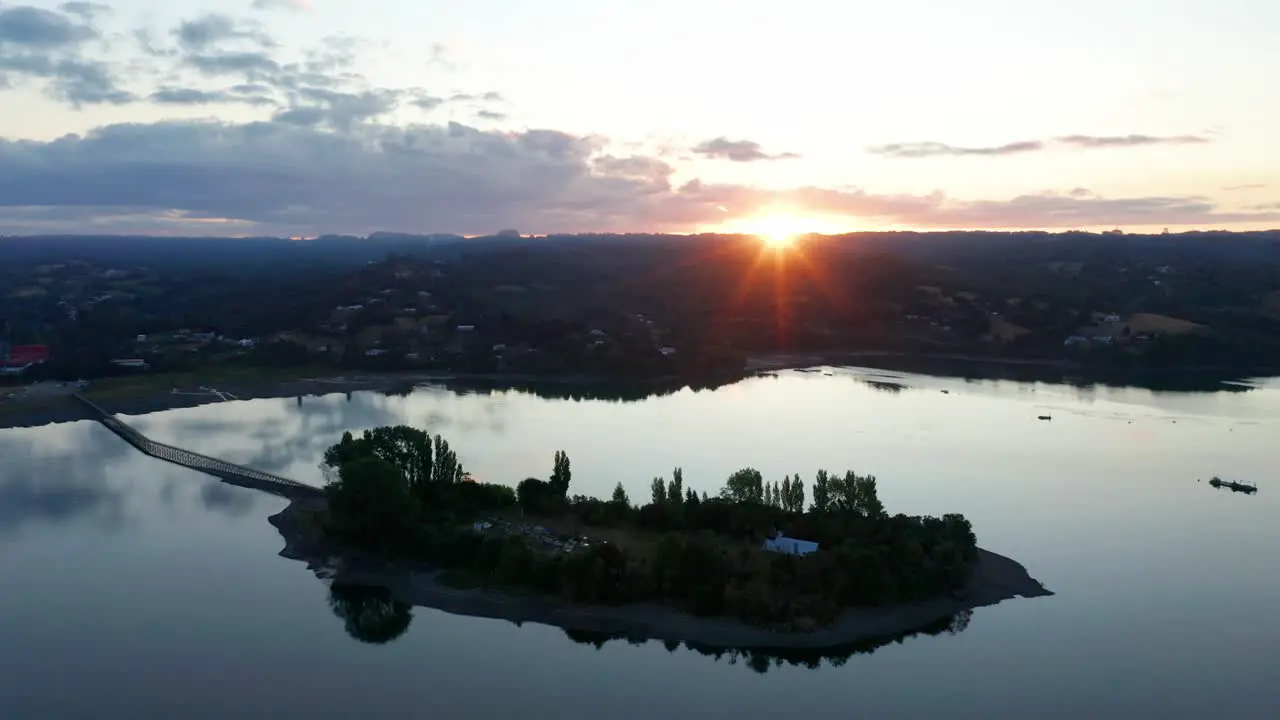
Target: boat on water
[[1233, 486]]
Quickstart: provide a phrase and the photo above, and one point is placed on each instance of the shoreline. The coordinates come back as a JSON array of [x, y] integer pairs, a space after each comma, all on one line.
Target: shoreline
[[51, 409], [59, 408], [995, 579]]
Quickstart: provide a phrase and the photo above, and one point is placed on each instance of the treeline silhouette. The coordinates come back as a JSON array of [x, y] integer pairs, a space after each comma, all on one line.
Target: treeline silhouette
[[398, 491]]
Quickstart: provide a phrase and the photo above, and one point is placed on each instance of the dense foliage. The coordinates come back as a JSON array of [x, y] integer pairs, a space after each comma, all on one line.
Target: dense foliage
[[399, 491]]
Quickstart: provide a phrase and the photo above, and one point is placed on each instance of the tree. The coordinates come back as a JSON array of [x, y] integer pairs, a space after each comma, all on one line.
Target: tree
[[561, 474], [423, 460], [446, 469], [675, 491], [821, 492], [534, 495], [797, 494], [659, 491], [855, 493], [370, 502], [620, 496], [744, 486], [786, 493]]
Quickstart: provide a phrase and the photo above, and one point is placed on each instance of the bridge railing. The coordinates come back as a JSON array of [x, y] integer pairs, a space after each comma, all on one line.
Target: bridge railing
[[187, 458]]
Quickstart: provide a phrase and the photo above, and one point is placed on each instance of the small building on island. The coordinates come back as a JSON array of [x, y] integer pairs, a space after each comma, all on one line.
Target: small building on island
[[789, 546]]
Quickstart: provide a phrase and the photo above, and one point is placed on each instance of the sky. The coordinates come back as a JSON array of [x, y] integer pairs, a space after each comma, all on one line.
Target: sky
[[303, 117]]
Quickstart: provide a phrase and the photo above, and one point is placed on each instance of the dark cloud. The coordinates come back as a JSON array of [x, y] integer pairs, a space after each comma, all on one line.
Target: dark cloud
[[246, 94], [34, 28], [252, 66], [216, 29], [341, 110], [49, 46], [1122, 141], [936, 149], [722, 148], [491, 115]]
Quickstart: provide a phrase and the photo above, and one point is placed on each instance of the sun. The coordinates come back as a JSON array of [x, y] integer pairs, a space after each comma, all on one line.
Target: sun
[[777, 239], [777, 231]]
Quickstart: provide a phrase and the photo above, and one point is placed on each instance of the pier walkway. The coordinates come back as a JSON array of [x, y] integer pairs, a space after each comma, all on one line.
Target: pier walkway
[[229, 472]]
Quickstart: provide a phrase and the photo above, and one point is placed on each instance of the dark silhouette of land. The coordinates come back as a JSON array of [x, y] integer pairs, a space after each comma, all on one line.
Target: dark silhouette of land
[[643, 306]]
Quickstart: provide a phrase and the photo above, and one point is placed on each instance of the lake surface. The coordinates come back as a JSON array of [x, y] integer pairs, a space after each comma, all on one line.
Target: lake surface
[[135, 588]]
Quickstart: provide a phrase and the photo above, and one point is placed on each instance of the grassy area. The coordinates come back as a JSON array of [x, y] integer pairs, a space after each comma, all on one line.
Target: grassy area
[[230, 375], [1162, 324], [26, 405]]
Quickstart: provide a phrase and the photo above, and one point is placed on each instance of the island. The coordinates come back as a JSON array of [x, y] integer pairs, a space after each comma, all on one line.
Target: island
[[755, 566]]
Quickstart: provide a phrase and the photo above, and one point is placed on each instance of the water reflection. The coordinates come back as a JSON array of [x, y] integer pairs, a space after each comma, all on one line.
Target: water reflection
[[1029, 373], [42, 484], [369, 613], [761, 660], [885, 386], [217, 496], [617, 392]]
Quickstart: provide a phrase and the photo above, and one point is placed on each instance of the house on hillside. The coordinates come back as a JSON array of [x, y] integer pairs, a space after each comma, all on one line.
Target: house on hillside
[[789, 546]]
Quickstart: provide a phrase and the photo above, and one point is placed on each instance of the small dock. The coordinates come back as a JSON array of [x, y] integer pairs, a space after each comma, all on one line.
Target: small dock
[[1234, 486]]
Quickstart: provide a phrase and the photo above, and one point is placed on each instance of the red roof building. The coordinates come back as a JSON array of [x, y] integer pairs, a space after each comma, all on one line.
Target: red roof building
[[27, 355]]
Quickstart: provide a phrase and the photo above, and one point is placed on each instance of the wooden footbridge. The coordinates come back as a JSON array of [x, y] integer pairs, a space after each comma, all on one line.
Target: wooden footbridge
[[229, 472]]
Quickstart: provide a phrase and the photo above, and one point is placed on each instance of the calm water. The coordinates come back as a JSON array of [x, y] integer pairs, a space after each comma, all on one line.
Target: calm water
[[135, 588]]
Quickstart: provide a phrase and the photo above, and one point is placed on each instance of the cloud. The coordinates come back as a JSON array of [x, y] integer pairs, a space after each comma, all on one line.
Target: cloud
[[299, 174], [87, 10], [30, 27], [1249, 186], [50, 46], [427, 102], [216, 29], [329, 152], [935, 149], [252, 66], [281, 4], [722, 148], [1123, 141], [490, 96], [256, 95], [235, 502]]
